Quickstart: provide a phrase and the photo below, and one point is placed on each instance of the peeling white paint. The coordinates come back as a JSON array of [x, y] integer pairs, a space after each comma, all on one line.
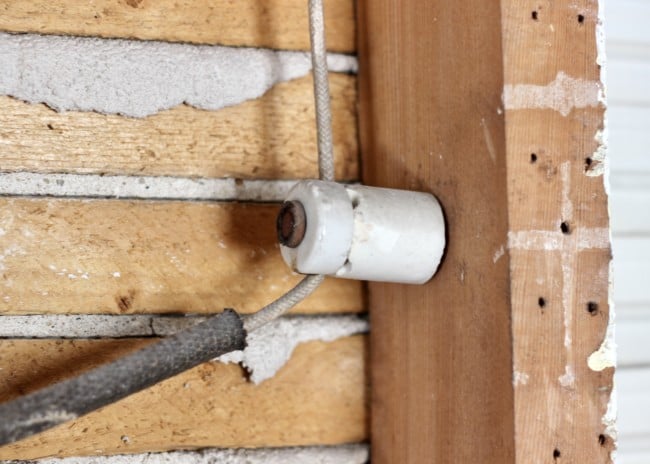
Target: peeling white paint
[[563, 94], [568, 379], [550, 240], [140, 78], [488, 141], [342, 454], [599, 160], [498, 254], [147, 187], [520, 378]]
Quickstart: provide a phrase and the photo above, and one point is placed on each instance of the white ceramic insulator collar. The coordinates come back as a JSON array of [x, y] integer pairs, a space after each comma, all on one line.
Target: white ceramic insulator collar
[[368, 233], [328, 233]]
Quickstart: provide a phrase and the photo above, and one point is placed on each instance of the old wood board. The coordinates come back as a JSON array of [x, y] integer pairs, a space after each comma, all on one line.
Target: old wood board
[[280, 24], [559, 230], [490, 362], [119, 256], [272, 137]]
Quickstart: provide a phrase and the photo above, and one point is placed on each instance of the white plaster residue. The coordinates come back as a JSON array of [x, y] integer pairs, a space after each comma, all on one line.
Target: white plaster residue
[[599, 161], [153, 187], [534, 240], [76, 326], [140, 78], [609, 418], [498, 254], [568, 245], [567, 205], [520, 378], [562, 94], [605, 355], [568, 379], [342, 454], [270, 347]]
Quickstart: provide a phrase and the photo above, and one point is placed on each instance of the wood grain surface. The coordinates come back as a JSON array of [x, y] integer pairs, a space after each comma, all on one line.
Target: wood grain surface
[[441, 354], [280, 24], [272, 137], [113, 256], [559, 286], [318, 397], [489, 361]]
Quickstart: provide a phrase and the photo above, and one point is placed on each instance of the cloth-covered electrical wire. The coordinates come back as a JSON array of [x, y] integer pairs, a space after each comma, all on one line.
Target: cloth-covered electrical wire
[[325, 160], [220, 334], [280, 306], [321, 90]]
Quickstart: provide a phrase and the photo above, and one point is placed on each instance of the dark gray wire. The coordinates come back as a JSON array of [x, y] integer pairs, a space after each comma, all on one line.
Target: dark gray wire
[[106, 384]]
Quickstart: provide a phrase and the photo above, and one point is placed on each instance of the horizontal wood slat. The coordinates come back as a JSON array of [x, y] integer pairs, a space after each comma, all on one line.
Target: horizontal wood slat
[[628, 82], [317, 398], [273, 137], [110, 256], [628, 207], [628, 140], [280, 24], [632, 268], [634, 408], [626, 25], [632, 342]]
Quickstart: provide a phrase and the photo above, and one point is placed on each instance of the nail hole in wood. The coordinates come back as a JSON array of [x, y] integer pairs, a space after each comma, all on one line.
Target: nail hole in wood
[[592, 308], [581, 18], [564, 227], [534, 15], [533, 157], [541, 302], [556, 454], [588, 162], [602, 439]]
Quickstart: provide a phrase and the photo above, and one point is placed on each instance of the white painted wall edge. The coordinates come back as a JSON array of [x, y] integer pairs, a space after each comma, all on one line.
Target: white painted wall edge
[[140, 78], [344, 454], [269, 348]]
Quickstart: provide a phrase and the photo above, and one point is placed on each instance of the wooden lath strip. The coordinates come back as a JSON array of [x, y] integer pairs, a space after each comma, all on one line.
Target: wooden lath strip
[[110, 256], [279, 24], [272, 137]]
